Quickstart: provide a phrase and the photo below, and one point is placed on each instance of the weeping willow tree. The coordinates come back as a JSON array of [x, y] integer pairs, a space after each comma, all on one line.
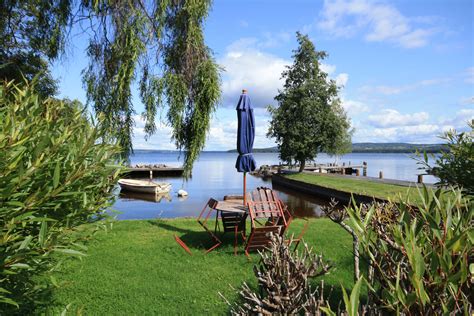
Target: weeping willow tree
[[157, 44]]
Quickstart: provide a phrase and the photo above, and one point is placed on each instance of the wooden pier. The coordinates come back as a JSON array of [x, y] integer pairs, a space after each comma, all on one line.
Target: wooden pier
[[155, 171], [341, 169], [266, 171]]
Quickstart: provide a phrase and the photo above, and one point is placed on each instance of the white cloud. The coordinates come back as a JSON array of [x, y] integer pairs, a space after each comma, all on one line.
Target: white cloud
[[378, 21], [160, 140], [329, 69], [391, 126], [274, 39], [223, 134], [342, 79], [354, 107], [391, 90], [250, 68], [416, 133], [466, 101], [390, 117], [460, 120]]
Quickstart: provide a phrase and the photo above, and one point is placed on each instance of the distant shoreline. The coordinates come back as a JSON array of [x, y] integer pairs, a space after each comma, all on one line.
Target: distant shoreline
[[365, 148]]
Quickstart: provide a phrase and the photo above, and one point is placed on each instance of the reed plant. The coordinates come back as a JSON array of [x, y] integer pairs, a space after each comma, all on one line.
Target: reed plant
[[57, 171], [420, 256]]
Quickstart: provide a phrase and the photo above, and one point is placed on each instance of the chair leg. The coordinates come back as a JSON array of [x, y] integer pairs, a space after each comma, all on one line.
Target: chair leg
[[213, 247], [235, 240], [217, 222], [182, 244], [298, 240]]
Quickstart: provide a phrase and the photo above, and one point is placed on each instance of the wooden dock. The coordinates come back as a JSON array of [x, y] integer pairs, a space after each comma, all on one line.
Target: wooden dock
[[155, 171], [266, 171], [341, 169]]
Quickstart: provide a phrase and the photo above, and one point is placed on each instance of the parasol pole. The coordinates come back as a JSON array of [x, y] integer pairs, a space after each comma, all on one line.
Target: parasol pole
[[245, 187], [244, 91]]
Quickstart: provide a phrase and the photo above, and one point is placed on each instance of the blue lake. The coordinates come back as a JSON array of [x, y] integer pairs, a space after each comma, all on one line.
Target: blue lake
[[214, 175]]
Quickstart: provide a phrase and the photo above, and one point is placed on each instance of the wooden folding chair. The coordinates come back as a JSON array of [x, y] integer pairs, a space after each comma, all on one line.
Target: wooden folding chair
[[204, 217], [298, 239], [260, 238], [263, 203], [266, 216]]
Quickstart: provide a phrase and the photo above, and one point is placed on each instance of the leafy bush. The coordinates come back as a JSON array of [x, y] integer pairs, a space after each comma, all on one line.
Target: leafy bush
[[421, 257], [56, 173], [455, 166]]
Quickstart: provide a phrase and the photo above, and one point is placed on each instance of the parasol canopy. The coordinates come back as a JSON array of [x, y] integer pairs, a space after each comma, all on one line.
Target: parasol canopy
[[245, 134]]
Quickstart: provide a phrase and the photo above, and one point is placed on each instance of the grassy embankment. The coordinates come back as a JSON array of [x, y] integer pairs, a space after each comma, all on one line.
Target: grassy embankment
[[137, 268], [359, 186]]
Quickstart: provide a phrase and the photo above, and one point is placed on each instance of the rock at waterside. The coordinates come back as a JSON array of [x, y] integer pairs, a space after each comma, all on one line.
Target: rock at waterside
[[182, 193]]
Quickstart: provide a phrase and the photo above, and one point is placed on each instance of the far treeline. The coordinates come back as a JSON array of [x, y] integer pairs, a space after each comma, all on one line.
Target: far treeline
[[377, 148]]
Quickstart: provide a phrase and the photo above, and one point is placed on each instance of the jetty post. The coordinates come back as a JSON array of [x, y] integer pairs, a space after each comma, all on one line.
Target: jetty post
[[420, 178]]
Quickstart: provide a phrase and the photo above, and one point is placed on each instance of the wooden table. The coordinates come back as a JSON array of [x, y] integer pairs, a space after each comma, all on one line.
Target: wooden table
[[230, 211]]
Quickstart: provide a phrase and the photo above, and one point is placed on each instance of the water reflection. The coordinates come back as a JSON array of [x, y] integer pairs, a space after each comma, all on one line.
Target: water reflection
[[157, 198], [214, 175], [301, 204]]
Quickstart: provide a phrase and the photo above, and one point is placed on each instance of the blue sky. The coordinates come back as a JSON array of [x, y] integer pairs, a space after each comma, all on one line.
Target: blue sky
[[405, 68]]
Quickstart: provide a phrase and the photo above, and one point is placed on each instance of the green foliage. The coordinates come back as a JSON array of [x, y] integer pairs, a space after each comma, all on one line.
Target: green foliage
[[339, 123], [134, 38], [31, 33], [29, 67], [422, 255], [309, 118], [160, 44], [34, 26], [56, 174], [455, 165]]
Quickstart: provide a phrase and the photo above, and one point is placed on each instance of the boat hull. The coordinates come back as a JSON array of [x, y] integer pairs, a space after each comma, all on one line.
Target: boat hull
[[141, 186]]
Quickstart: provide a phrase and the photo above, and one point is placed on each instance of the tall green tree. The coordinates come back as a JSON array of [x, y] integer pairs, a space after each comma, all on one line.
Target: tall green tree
[[160, 44], [342, 143], [309, 118]]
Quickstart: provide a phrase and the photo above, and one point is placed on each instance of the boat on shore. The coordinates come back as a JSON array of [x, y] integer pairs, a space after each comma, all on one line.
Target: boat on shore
[[144, 186]]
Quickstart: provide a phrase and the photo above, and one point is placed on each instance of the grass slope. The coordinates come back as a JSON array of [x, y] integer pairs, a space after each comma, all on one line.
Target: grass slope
[[138, 268], [365, 187]]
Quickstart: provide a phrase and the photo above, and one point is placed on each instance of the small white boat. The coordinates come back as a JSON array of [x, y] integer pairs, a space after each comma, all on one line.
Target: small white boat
[[144, 186], [182, 193]]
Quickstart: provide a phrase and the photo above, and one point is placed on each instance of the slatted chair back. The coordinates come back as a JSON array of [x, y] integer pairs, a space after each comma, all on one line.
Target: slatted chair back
[[263, 203], [203, 217], [287, 218], [233, 222], [260, 237]]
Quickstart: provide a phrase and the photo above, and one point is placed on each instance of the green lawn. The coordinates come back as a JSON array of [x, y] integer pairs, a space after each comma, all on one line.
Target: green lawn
[[138, 269], [359, 186]]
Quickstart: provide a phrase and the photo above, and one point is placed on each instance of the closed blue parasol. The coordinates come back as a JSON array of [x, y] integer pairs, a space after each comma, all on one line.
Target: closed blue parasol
[[245, 136]]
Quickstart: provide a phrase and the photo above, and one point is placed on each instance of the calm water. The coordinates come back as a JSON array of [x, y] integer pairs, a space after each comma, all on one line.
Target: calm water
[[214, 175]]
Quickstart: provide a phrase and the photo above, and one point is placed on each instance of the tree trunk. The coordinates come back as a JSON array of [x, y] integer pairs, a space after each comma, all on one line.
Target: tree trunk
[[302, 165]]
